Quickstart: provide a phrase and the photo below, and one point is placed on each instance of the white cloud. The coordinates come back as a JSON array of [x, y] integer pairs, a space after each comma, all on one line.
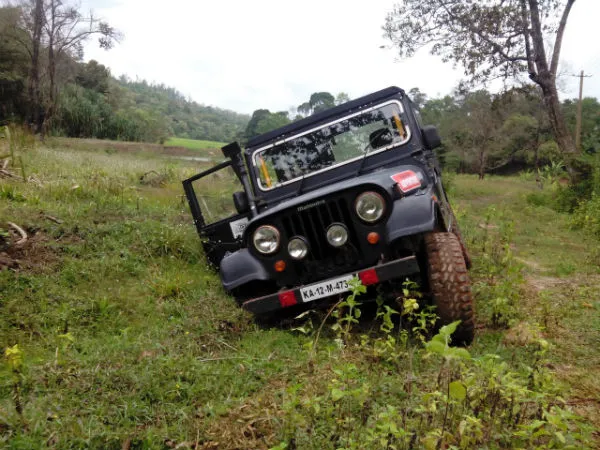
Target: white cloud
[[245, 55]]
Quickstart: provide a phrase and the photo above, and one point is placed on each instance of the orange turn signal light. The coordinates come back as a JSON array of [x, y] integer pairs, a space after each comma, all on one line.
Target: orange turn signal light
[[279, 265], [373, 238]]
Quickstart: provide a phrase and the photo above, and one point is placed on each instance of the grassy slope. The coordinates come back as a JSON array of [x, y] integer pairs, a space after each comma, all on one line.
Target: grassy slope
[[129, 339], [193, 144], [562, 275]]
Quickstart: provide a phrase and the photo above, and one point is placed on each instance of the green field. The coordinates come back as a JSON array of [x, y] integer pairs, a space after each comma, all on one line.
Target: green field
[[193, 144], [125, 339]]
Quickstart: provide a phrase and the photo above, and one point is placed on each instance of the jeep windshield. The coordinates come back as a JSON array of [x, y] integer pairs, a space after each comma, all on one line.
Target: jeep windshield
[[338, 142]]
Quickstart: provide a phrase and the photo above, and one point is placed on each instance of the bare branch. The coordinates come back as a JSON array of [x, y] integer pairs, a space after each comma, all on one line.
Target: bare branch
[[479, 33], [530, 64], [19, 230], [559, 36]]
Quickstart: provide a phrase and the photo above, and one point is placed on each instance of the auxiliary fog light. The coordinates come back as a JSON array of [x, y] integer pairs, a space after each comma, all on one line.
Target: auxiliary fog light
[[337, 235], [297, 248]]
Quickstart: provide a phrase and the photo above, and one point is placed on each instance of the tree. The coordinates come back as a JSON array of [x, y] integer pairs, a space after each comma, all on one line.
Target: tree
[[490, 39], [342, 97], [33, 13], [419, 98], [272, 121], [52, 32], [319, 101], [94, 76], [590, 124], [263, 120], [14, 66], [66, 29]]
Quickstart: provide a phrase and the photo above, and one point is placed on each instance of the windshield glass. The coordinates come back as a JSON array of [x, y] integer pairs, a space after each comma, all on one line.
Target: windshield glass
[[344, 140]]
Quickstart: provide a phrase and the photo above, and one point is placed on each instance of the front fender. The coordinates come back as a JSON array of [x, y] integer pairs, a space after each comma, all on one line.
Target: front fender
[[239, 268], [412, 215]]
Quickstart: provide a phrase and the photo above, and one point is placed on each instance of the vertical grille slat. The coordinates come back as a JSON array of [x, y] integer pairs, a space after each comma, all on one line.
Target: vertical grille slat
[[313, 233]]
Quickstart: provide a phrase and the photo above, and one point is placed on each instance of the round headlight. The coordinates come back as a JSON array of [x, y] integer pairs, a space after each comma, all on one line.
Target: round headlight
[[266, 239], [337, 235], [297, 248], [370, 206]]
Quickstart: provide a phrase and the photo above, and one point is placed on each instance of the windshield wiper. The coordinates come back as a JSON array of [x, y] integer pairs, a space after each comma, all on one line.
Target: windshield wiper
[[377, 134], [299, 191]]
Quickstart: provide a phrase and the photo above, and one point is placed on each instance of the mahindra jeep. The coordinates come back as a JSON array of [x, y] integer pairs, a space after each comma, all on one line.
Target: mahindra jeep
[[353, 191]]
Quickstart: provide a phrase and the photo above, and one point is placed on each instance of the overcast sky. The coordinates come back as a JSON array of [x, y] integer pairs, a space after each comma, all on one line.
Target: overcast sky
[[245, 55]]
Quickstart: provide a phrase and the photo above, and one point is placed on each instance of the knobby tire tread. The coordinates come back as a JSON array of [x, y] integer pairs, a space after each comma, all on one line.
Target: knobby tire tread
[[450, 284]]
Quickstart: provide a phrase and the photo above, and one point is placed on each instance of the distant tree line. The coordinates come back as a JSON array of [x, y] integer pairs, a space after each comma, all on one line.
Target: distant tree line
[[481, 132], [505, 132], [263, 120], [517, 41], [45, 84]]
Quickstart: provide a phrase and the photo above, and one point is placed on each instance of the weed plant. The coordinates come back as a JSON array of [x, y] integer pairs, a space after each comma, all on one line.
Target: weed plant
[[445, 398]]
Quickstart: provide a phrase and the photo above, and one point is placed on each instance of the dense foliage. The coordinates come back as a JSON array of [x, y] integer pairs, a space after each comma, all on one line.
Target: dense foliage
[[79, 99], [505, 132], [138, 111], [263, 120]]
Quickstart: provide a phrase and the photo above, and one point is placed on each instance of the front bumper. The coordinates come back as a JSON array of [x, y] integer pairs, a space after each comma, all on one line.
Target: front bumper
[[372, 275]]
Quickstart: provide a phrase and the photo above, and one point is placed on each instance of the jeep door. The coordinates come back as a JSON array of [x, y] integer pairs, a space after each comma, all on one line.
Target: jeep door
[[219, 224]]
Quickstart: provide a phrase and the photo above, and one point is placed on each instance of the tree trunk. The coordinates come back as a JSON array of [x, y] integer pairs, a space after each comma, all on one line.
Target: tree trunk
[[481, 164], [557, 121], [51, 73], [34, 73], [545, 77]]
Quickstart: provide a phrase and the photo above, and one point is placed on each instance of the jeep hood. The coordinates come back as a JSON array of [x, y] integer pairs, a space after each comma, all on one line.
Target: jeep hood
[[381, 178]]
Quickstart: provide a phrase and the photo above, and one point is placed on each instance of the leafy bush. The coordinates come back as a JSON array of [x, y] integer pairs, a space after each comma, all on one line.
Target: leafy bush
[[500, 273], [448, 398], [587, 216]]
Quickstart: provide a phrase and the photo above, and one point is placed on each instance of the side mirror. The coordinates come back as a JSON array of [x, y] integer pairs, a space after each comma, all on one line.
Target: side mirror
[[240, 201], [232, 150], [431, 137]]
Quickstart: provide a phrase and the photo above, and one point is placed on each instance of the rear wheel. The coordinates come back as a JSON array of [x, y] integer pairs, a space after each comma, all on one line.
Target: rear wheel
[[450, 284]]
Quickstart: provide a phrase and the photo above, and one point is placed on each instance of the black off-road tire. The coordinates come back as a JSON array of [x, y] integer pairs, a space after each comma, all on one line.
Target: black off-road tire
[[456, 230], [450, 284]]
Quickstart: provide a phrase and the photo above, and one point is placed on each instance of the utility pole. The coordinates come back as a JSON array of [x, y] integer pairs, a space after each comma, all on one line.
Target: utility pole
[[579, 112], [578, 123]]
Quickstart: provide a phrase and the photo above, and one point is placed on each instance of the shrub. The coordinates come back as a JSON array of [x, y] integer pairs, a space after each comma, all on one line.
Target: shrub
[[587, 216]]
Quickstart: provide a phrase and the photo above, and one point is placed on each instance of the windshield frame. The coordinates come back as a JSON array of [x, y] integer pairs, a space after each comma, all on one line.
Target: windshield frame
[[256, 169]]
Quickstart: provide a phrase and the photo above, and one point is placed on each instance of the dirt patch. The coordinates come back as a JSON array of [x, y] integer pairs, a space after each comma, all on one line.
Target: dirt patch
[[531, 264], [253, 424], [541, 283], [32, 255], [250, 425], [521, 334]]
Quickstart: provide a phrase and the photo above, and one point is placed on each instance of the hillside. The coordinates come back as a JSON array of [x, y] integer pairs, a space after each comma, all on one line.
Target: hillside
[[97, 105], [88, 102], [185, 118]]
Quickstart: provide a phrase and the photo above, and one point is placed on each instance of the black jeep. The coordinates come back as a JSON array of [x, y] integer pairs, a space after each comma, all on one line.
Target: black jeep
[[355, 190]]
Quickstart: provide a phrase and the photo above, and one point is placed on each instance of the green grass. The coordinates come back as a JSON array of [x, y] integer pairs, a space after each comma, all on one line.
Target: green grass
[[129, 341], [193, 144]]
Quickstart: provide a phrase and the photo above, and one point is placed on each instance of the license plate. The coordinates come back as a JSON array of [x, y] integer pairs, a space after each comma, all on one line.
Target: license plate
[[326, 288]]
